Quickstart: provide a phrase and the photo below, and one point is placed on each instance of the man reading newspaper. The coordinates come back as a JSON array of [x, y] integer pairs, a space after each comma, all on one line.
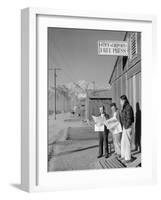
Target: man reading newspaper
[[102, 130], [114, 125]]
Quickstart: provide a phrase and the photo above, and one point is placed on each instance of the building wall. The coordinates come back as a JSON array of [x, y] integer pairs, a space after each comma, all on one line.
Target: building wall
[[126, 76]]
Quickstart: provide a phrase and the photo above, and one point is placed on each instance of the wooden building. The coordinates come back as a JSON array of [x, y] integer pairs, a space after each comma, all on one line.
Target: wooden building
[[96, 99], [126, 79]]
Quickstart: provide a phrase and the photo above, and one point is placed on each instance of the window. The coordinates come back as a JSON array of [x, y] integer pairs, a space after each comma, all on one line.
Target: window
[[133, 45]]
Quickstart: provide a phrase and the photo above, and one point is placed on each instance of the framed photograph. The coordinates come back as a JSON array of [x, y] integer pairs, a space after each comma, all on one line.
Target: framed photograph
[[86, 99]]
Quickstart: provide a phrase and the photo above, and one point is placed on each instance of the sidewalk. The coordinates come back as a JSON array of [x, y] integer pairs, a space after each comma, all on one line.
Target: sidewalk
[[78, 152], [57, 128]]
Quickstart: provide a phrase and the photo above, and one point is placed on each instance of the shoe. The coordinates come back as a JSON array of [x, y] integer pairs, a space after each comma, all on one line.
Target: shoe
[[99, 156], [127, 161], [132, 158], [106, 155], [121, 158]]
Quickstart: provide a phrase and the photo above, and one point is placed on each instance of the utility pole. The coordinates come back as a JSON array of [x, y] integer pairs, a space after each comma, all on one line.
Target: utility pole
[[93, 87], [55, 76]]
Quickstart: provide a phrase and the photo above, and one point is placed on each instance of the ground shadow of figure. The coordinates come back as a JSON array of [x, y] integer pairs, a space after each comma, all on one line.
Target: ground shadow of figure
[[138, 128]]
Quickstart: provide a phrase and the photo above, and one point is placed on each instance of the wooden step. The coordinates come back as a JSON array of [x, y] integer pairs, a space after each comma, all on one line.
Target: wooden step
[[135, 163], [111, 162]]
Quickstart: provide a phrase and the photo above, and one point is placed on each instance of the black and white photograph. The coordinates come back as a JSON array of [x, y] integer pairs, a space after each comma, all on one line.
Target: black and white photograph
[[94, 99]]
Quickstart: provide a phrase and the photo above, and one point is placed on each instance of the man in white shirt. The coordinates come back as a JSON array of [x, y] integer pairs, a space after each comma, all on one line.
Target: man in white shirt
[[116, 134]]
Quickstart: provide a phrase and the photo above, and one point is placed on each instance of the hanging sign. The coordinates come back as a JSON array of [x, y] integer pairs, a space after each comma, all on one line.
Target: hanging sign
[[117, 48]]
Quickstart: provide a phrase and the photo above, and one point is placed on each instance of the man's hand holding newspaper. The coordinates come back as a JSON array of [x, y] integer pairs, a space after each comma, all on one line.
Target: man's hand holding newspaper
[[99, 123], [113, 125]]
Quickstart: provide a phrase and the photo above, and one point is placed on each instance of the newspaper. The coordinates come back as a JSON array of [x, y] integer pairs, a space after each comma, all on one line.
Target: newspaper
[[113, 125], [99, 123]]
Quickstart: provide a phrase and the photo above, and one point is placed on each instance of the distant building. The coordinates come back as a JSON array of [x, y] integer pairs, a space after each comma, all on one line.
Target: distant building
[[126, 76], [95, 99], [63, 102]]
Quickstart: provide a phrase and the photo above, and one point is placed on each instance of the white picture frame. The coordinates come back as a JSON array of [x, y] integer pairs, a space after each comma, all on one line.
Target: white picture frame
[[33, 132]]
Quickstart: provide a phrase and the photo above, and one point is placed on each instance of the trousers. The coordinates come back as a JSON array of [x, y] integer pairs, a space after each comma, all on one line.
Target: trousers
[[103, 139], [126, 143], [117, 143]]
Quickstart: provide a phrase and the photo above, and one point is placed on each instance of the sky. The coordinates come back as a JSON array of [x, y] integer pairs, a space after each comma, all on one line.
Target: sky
[[75, 52]]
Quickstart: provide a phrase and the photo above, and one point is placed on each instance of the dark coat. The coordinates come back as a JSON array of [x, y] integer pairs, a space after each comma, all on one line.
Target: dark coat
[[127, 116]]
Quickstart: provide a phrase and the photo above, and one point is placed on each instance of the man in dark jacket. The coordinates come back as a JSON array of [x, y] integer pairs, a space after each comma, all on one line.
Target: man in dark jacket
[[127, 119], [103, 135]]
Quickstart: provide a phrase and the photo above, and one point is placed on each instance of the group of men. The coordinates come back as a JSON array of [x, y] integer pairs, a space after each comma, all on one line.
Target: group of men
[[122, 139]]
